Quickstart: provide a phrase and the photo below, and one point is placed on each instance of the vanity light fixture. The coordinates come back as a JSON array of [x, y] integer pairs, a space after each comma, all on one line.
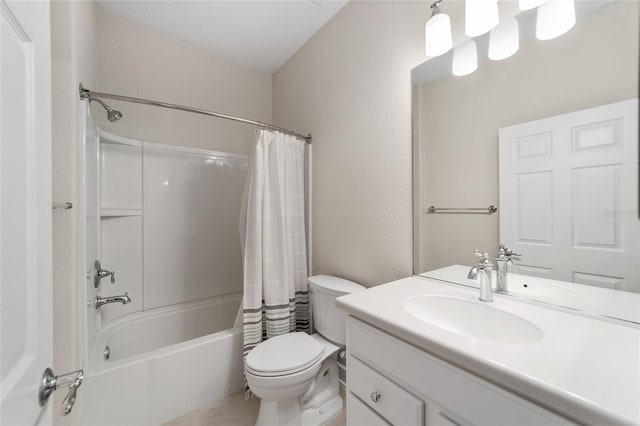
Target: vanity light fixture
[[480, 16], [555, 17], [465, 58], [504, 40], [437, 32], [529, 4]]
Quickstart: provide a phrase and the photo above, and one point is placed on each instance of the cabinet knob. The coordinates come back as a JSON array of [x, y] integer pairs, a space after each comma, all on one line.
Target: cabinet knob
[[375, 396]]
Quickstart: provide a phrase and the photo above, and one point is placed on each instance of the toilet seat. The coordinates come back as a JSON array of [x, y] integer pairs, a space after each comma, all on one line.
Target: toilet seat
[[283, 355]]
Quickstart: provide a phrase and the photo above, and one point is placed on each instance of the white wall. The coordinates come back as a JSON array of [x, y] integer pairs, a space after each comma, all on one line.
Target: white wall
[[350, 86], [596, 63], [73, 50], [136, 62]]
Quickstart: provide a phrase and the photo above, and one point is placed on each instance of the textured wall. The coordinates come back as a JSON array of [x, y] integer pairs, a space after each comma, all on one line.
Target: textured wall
[[133, 61], [73, 47], [350, 86]]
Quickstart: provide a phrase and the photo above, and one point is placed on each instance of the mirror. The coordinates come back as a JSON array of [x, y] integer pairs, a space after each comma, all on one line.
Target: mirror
[[550, 137]]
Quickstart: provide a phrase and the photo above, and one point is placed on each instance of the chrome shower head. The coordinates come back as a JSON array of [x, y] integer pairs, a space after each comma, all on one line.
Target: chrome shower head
[[112, 114]]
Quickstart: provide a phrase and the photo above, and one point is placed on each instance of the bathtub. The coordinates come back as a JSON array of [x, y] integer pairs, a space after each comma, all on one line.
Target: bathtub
[[163, 363]]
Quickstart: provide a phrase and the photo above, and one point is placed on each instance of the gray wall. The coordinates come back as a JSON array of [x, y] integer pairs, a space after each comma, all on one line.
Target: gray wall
[[350, 86], [133, 61]]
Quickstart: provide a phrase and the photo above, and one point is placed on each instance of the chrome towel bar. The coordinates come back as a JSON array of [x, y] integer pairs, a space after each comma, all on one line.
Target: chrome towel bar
[[463, 210]]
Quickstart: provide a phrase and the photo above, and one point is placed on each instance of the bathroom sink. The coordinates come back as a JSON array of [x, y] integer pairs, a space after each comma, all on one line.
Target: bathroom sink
[[477, 320]]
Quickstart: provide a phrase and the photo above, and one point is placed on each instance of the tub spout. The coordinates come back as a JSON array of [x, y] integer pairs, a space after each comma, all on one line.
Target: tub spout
[[124, 299]]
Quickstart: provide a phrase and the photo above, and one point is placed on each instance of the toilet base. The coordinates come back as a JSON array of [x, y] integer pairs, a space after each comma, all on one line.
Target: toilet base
[[322, 415], [285, 412]]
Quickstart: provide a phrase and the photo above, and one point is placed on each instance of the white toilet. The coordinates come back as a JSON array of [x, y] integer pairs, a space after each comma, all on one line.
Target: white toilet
[[296, 374]]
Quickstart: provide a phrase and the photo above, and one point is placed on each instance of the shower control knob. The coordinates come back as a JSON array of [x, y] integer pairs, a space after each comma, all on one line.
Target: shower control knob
[[375, 396], [102, 273]]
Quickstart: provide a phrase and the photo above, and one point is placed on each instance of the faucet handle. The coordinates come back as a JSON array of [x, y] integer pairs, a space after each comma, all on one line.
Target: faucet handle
[[484, 261], [506, 252]]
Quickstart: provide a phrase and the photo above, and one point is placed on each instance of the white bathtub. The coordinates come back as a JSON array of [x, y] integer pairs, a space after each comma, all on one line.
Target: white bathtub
[[163, 363]]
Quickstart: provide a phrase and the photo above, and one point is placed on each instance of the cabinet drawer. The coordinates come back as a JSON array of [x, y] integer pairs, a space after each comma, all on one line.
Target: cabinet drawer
[[388, 399], [359, 414]]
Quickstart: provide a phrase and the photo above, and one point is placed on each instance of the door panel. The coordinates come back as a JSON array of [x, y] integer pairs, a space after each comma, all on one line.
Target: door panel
[[25, 209], [569, 196]]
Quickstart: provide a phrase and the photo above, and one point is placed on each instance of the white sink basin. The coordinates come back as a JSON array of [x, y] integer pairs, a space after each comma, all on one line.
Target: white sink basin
[[478, 320]]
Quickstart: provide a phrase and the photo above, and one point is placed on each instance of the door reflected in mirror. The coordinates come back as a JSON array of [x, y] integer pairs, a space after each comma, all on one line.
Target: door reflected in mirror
[[550, 137]]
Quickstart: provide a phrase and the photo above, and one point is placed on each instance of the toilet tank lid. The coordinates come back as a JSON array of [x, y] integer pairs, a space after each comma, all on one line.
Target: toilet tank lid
[[334, 285]]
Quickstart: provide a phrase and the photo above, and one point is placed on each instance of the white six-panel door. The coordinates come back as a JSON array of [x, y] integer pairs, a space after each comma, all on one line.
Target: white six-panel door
[[25, 209], [569, 196]]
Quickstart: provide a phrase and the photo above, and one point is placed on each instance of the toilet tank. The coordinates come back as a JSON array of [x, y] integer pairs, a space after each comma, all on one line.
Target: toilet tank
[[328, 320]]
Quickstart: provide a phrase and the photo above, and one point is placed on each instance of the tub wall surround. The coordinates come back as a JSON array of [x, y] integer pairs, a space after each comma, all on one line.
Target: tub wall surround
[[83, 40]]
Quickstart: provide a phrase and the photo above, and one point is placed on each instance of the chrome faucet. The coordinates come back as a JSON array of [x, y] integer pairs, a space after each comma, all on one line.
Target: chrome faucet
[[482, 273], [124, 299], [502, 262]]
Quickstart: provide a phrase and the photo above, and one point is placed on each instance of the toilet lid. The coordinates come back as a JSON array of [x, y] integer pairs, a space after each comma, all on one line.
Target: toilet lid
[[285, 354]]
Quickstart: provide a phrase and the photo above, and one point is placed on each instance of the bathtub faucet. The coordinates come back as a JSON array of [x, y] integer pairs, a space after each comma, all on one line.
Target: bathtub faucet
[[124, 299]]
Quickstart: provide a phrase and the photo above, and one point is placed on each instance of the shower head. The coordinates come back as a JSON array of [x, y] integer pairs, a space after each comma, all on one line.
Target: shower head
[[112, 114]]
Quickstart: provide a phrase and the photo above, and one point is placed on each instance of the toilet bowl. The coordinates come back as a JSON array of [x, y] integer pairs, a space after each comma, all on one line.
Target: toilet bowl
[[296, 374]]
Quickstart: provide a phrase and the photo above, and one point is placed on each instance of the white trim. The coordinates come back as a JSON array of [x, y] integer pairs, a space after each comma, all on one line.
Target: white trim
[[189, 150], [115, 139]]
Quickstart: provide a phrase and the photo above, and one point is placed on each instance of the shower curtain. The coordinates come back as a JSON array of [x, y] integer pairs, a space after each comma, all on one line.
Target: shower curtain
[[276, 293]]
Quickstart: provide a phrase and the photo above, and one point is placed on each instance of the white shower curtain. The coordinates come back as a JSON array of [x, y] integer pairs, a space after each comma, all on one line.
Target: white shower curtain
[[276, 293]]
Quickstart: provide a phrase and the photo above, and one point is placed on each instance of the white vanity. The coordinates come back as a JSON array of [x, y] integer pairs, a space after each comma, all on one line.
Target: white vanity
[[422, 352]]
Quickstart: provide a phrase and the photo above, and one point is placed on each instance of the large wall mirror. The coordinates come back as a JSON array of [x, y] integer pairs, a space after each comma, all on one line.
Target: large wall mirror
[[549, 136]]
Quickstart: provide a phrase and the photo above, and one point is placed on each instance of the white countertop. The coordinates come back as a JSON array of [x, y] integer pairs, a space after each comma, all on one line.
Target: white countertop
[[584, 368]]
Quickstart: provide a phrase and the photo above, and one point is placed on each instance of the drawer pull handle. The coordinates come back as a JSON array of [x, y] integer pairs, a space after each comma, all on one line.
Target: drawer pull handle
[[375, 396]]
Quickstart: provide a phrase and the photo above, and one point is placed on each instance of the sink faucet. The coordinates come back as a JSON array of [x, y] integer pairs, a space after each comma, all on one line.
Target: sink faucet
[[124, 299], [502, 262], [482, 273]]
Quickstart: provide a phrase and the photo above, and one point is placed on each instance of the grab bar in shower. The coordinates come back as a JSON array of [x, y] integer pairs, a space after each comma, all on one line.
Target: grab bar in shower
[[463, 210]]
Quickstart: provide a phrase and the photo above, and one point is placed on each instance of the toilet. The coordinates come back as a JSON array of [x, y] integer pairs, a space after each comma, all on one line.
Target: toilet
[[296, 374]]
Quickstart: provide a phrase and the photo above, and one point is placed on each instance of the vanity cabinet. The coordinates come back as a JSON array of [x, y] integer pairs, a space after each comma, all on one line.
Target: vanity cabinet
[[392, 382]]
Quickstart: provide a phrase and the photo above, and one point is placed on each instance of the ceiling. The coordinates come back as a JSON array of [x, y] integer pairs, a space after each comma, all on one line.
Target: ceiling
[[258, 34]]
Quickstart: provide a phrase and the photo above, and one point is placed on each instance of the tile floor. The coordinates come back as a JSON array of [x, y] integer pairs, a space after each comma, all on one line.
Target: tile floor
[[232, 411]]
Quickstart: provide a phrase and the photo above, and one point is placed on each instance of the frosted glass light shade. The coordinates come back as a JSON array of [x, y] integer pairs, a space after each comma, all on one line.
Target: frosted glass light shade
[[480, 16], [437, 33], [504, 40], [465, 58], [555, 17], [529, 4]]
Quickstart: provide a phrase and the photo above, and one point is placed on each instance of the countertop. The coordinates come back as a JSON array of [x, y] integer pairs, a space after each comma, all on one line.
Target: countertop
[[584, 368]]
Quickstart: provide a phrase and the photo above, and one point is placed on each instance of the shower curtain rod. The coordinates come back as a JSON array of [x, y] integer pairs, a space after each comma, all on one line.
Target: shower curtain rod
[[84, 93]]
